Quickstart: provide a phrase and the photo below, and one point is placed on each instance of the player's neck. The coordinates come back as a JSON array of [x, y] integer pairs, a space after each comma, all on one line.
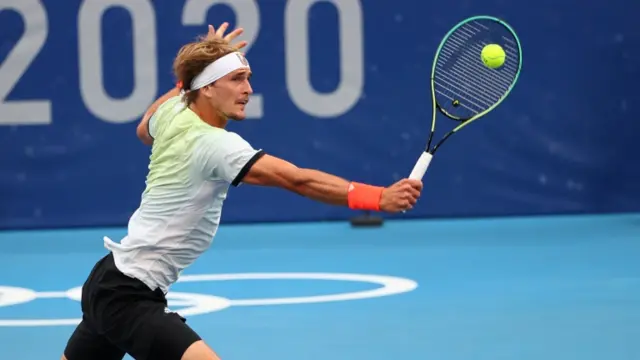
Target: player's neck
[[209, 115]]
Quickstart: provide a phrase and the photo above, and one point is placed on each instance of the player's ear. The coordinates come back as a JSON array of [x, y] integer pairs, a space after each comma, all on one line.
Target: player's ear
[[207, 91]]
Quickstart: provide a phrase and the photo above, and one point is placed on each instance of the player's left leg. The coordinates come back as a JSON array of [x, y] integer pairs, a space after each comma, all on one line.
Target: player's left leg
[[165, 335], [199, 351]]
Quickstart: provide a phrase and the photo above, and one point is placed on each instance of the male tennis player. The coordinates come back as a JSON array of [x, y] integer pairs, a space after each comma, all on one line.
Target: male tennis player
[[194, 160]]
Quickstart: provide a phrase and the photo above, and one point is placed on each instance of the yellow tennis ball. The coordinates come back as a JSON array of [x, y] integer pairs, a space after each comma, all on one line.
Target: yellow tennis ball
[[493, 56]]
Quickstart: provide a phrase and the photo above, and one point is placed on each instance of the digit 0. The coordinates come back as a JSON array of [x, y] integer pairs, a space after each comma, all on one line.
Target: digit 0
[[91, 65], [349, 90]]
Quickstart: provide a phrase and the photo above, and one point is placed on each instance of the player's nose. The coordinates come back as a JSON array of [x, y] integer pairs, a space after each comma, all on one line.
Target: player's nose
[[248, 88]]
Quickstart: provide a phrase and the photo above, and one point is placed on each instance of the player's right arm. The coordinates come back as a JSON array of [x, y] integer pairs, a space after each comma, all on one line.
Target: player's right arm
[[321, 186], [227, 156]]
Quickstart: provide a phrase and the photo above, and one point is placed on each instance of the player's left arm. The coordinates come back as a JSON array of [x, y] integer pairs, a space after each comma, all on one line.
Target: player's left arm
[[142, 131]]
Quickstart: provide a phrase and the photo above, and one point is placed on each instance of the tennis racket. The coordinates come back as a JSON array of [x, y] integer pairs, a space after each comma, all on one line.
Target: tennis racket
[[463, 88]]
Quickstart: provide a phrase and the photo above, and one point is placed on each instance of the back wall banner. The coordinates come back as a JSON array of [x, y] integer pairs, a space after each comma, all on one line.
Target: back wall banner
[[341, 86]]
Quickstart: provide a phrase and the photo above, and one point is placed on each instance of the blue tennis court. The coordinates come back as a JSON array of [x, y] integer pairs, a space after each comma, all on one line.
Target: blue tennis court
[[519, 288]]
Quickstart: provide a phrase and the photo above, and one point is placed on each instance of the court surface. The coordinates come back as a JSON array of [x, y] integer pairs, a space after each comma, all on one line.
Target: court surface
[[541, 288]]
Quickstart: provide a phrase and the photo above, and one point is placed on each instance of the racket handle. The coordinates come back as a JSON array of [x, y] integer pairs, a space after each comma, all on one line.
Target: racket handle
[[421, 166]]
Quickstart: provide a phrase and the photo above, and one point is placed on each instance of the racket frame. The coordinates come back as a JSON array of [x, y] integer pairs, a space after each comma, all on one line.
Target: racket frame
[[437, 108], [425, 158]]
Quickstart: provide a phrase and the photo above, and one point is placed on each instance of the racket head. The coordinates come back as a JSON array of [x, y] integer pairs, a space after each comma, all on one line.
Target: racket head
[[463, 88]]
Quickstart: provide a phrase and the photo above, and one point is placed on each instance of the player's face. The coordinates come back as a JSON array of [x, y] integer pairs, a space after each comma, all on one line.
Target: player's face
[[231, 93]]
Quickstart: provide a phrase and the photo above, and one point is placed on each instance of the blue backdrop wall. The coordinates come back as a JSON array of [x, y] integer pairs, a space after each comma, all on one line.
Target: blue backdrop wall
[[340, 86]]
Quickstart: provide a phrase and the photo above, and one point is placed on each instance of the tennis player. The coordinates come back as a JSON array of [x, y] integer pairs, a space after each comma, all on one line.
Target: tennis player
[[193, 163]]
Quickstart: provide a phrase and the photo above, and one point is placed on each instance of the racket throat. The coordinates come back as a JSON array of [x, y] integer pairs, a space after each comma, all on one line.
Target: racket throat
[[435, 148]]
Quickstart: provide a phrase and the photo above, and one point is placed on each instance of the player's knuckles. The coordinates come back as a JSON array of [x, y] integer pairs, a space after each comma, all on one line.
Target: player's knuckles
[[412, 193]]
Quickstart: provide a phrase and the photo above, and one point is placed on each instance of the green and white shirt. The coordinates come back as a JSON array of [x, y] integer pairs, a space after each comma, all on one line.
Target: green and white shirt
[[191, 167]]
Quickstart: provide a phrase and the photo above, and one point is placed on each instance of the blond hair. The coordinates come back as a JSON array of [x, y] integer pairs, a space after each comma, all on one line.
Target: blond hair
[[193, 58]]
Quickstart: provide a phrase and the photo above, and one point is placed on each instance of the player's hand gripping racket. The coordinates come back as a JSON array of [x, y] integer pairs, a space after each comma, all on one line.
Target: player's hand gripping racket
[[467, 82]]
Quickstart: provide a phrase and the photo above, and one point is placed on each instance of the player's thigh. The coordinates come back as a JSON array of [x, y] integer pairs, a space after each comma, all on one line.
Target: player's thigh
[[84, 343], [200, 351], [160, 335]]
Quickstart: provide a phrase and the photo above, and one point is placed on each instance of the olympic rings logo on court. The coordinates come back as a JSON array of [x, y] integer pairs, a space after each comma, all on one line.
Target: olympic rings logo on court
[[198, 304]]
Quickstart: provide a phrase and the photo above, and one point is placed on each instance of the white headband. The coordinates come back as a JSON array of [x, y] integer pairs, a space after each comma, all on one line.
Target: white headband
[[219, 68]]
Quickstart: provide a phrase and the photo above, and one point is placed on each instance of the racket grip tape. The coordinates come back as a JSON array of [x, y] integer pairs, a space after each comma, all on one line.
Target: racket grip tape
[[421, 166]]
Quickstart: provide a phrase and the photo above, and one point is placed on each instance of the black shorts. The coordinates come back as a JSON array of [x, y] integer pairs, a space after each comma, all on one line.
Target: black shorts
[[122, 315]]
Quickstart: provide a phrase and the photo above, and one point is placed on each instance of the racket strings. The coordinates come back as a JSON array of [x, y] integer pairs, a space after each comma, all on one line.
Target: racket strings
[[463, 85], [466, 79]]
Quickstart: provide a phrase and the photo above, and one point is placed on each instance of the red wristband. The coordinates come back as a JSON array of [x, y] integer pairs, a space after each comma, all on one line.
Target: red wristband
[[364, 197]]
